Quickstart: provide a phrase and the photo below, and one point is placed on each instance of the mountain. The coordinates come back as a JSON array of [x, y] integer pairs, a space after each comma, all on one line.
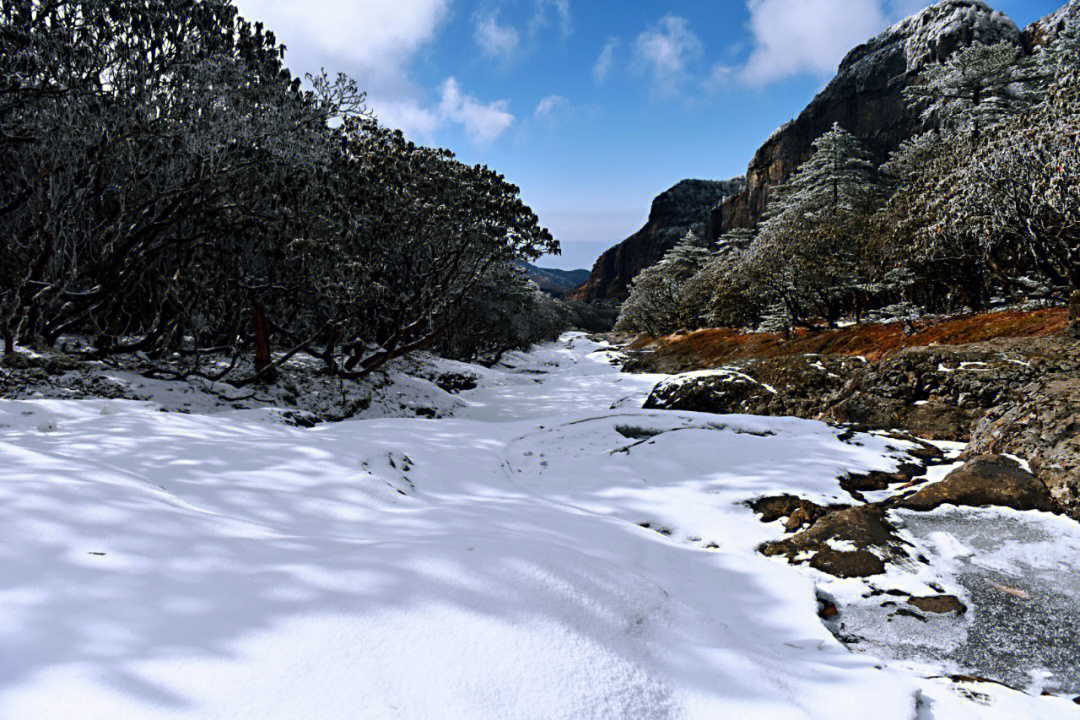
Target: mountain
[[673, 212], [555, 282], [866, 98]]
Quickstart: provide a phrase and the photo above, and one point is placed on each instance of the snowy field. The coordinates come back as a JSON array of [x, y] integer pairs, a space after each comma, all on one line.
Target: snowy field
[[551, 551]]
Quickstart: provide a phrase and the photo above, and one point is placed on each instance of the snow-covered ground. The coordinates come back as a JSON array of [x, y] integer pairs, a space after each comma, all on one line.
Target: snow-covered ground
[[552, 551]]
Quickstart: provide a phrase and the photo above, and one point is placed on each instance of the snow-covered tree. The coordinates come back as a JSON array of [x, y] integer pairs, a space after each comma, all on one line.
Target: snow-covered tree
[[972, 88], [655, 304], [839, 173]]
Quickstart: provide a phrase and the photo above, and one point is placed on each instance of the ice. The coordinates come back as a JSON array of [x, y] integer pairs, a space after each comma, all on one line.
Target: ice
[[1019, 575]]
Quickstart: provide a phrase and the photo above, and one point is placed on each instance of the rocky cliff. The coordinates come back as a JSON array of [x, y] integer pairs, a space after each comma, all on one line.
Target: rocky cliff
[[673, 213], [866, 98]]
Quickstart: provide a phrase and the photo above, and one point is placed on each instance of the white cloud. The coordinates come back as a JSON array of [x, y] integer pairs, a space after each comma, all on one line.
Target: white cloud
[[548, 105], [793, 37], [483, 122], [542, 17], [666, 50], [374, 38], [407, 115], [494, 39], [606, 60]]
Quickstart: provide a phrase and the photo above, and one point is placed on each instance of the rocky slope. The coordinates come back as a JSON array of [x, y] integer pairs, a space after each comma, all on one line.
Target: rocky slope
[[1016, 396], [673, 213]]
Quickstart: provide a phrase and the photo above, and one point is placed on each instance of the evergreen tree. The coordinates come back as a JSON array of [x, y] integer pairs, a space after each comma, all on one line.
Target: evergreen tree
[[973, 88], [839, 174], [688, 256]]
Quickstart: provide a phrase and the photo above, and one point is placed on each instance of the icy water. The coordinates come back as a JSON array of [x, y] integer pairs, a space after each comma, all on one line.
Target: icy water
[[1019, 575]]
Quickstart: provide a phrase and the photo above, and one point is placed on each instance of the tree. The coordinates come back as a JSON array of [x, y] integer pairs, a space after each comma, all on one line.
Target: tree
[[973, 88], [655, 305], [839, 173]]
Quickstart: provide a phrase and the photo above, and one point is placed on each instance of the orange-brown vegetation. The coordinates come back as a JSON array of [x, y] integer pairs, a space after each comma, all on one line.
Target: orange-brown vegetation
[[713, 347]]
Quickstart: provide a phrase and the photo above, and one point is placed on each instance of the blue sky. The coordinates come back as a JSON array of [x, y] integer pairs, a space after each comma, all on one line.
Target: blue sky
[[591, 108]]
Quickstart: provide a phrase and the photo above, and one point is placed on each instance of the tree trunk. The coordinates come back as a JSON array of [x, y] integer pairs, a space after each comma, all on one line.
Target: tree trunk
[[262, 339], [9, 339]]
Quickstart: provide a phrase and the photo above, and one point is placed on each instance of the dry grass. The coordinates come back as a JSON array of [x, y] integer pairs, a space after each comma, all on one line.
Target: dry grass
[[709, 348]]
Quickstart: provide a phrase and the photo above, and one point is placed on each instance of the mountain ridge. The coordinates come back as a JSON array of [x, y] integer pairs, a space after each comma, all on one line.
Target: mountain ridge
[[865, 97]]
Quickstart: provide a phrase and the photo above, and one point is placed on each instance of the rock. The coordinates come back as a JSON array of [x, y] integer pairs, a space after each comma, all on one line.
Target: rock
[[673, 212], [1044, 428], [983, 481], [939, 604], [847, 564], [859, 528], [772, 509], [873, 480], [723, 391], [827, 611]]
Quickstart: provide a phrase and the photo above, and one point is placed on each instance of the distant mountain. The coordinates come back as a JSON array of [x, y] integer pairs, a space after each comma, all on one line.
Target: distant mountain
[[555, 282], [673, 212]]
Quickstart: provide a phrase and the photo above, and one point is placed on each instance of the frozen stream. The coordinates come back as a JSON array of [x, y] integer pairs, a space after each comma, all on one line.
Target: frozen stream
[[1019, 575], [550, 551]]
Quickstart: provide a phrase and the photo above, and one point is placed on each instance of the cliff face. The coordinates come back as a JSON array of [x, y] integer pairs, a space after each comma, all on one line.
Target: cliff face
[[866, 98], [673, 213]]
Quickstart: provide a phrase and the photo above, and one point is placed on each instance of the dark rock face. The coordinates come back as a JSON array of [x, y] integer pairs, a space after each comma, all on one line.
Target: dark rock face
[[866, 98], [985, 480], [673, 213], [1044, 428]]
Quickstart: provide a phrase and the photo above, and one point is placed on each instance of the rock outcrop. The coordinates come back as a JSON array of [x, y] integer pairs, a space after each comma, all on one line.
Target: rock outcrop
[[1044, 428], [984, 481], [866, 98], [673, 213]]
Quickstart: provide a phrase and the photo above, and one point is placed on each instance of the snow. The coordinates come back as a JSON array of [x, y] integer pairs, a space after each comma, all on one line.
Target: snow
[[538, 554]]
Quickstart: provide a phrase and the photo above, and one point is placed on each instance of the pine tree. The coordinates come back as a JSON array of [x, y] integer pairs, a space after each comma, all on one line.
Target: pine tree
[[973, 88], [687, 257], [838, 175]]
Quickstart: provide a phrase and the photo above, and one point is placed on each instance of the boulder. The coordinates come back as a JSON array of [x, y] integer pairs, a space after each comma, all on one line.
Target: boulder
[[984, 481], [1044, 428], [841, 540], [721, 391], [847, 564], [799, 512]]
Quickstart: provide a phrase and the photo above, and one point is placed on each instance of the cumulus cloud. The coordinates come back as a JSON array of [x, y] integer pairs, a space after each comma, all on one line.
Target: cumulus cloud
[[483, 122], [548, 105], [375, 38], [666, 50], [606, 60], [793, 37], [495, 40]]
